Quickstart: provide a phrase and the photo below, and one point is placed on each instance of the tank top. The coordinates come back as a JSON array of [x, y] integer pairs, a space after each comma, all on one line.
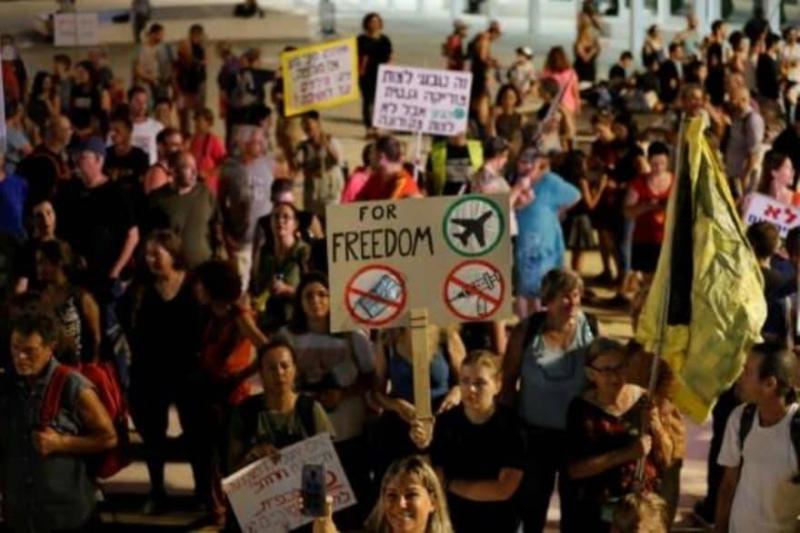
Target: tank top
[[552, 377], [650, 226]]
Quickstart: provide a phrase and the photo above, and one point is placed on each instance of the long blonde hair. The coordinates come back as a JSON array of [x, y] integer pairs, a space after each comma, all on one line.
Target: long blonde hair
[[439, 520]]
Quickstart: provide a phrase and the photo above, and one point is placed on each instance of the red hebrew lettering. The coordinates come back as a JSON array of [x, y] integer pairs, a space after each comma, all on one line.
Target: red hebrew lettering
[[772, 212], [791, 216]]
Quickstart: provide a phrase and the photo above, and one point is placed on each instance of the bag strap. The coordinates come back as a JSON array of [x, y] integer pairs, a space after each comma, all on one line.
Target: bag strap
[[746, 423], [52, 395], [305, 412], [794, 434]]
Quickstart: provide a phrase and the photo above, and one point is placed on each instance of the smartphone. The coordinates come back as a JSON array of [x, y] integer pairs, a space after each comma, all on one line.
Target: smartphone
[[313, 490]]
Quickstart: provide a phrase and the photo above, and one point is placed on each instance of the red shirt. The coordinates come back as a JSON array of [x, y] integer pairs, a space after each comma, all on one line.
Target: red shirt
[[377, 188], [650, 226], [209, 152]]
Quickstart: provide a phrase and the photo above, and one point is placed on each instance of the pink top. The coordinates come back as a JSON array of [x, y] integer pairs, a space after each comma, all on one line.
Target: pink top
[[209, 152], [355, 183], [568, 81]]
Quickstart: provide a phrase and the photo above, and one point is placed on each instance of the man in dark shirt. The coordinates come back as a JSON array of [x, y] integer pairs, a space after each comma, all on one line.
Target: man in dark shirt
[[671, 74], [767, 70], [188, 208], [48, 166], [43, 476], [126, 164], [245, 90], [100, 224]]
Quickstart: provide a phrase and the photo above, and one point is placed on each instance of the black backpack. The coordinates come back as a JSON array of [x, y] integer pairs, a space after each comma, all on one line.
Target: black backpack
[[746, 424], [252, 406]]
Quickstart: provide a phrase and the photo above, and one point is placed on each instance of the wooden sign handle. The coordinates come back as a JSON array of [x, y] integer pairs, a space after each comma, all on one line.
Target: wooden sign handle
[[418, 323]]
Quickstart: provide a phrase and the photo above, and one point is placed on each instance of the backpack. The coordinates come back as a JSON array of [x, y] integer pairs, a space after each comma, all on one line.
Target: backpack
[[106, 463], [536, 321], [746, 424], [254, 405]]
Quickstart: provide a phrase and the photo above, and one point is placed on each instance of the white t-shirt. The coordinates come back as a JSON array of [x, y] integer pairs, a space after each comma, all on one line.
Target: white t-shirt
[[766, 500], [338, 361], [144, 137]]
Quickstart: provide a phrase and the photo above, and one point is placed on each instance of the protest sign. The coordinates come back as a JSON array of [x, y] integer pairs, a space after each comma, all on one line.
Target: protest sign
[[764, 208], [449, 255], [265, 496], [320, 76], [422, 100], [75, 29]]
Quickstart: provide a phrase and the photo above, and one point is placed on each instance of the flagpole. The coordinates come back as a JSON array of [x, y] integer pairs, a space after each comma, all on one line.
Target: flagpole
[[662, 322]]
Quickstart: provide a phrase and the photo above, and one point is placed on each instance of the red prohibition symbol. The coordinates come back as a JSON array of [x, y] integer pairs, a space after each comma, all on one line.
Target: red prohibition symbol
[[375, 295], [474, 290]]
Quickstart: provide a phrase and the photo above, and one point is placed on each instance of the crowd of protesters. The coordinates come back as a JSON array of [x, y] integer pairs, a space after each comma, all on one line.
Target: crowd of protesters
[[194, 265]]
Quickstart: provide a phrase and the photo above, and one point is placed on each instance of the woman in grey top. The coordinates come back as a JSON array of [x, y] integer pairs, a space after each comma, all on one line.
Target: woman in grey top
[[543, 371]]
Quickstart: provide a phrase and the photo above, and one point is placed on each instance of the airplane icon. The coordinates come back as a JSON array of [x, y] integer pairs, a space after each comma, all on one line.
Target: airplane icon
[[472, 226]]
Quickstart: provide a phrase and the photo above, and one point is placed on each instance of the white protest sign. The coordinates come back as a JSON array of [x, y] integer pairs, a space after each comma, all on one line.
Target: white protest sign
[[422, 100], [448, 255], [762, 208], [75, 29], [319, 76], [265, 496]]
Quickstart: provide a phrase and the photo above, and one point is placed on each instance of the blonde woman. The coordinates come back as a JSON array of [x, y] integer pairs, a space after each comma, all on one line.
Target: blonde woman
[[411, 500]]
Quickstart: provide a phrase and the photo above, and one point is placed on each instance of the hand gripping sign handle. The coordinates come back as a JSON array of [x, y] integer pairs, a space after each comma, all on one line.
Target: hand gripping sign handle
[[418, 323]]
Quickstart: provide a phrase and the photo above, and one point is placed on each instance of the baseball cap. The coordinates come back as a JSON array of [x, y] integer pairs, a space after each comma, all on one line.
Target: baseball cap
[[525, 51], [93, 144]]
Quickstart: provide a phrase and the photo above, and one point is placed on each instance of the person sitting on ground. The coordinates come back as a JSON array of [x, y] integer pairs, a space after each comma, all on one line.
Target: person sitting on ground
[[279, 417]]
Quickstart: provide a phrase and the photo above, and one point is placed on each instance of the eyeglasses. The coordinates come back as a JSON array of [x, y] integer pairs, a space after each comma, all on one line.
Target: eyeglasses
[[609, 369]]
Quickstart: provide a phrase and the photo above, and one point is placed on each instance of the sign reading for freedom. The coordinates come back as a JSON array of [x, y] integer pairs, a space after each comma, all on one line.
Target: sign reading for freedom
[[265, 496], [449, 255], [320, 76], [422, 100]]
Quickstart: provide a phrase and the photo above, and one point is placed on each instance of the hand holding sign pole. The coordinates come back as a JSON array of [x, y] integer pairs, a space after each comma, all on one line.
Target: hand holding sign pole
[[418, 323]]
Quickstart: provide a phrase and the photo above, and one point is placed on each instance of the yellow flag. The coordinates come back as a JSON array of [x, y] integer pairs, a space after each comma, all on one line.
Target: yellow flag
[[706, 306]]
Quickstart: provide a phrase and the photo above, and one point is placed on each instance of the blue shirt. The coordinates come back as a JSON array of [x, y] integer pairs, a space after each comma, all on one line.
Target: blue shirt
[[540, 243], [13, 193], [552, 377]]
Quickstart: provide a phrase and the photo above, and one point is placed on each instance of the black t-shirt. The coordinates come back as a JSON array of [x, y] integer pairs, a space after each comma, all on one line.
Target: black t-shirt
[[246, 94], [84, 105], [376, 52], [468, 451], [96, 225], [126, 169], [768, 77]]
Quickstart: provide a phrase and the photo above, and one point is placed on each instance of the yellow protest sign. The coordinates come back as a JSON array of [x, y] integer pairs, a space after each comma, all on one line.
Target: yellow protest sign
[[320, 76]]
